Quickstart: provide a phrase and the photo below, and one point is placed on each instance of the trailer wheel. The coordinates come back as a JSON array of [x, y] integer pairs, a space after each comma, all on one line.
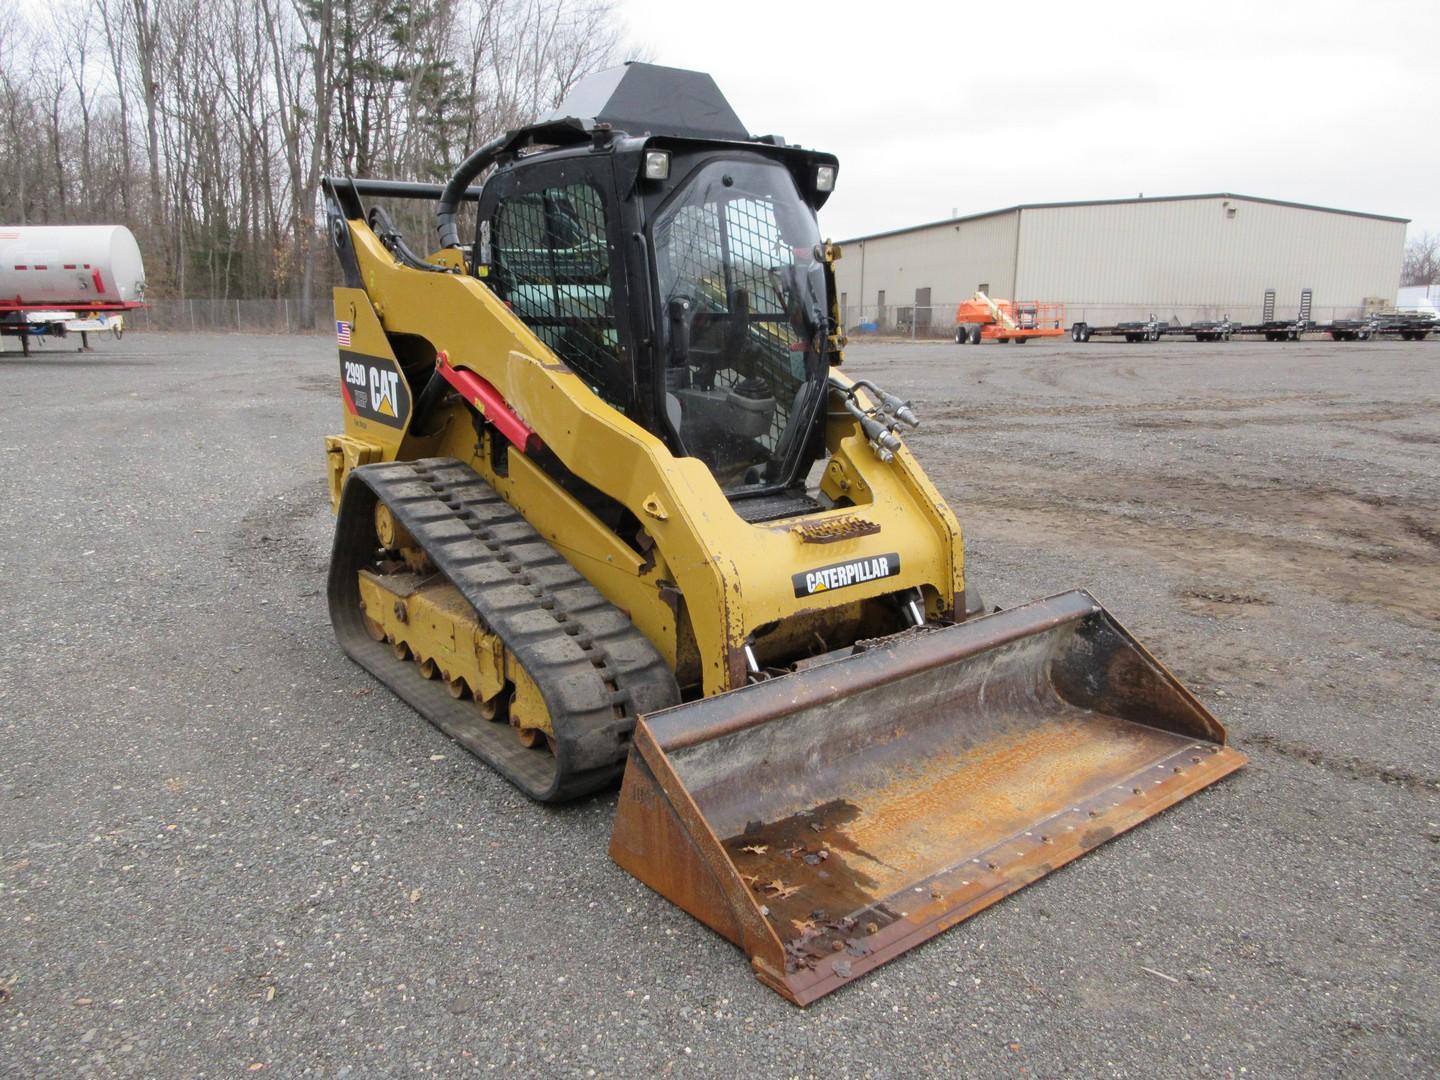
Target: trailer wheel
[[1075, 332], [1153, 335], [1086, 334]]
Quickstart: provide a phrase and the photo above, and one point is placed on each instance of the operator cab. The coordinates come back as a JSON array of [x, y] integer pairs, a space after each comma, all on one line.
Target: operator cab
[[672, 262]]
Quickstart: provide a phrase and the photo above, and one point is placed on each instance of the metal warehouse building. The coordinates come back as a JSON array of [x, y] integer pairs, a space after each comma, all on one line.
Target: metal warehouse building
[[1180, 258]]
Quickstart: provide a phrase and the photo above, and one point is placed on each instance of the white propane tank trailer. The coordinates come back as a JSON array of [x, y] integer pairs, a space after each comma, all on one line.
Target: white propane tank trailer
[[61, 279]]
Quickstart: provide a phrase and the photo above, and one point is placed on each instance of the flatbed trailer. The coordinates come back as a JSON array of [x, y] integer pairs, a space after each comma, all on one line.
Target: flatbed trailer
[[1207, 330], [1277, 329], [1154, 329], [1281, 329], [1150, 330], [1349, 329], [1406, 327]]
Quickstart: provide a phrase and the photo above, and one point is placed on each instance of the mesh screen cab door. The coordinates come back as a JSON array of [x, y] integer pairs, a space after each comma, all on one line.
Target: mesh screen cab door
[[550, 251]]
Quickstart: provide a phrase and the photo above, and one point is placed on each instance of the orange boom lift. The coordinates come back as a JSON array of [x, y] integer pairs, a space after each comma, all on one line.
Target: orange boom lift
[[983, 319]]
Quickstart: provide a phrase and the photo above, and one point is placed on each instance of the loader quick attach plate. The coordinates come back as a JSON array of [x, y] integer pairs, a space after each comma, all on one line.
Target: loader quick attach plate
[[828, 820]]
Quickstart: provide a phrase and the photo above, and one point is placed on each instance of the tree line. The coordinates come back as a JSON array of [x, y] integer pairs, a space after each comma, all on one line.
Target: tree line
[[206, 125]]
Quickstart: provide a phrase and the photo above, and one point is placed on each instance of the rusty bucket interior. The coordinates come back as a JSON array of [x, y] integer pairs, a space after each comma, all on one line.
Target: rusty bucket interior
[[831, 819]]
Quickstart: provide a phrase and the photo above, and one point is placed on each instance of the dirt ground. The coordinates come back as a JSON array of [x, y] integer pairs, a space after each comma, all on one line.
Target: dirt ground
[[224, 850], [1256, 489]]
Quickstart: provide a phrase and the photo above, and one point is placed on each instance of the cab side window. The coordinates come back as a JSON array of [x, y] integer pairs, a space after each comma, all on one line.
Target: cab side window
[[551, 264]]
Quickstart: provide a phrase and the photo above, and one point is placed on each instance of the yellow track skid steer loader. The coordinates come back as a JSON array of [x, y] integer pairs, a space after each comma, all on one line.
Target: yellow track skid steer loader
[[608, 505]]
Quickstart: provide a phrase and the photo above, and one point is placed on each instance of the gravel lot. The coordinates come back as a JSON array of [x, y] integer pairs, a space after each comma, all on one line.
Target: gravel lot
[[225, 851]]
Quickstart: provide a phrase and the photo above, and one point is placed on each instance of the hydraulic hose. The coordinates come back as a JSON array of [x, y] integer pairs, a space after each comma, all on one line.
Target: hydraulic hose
[[454, 192]]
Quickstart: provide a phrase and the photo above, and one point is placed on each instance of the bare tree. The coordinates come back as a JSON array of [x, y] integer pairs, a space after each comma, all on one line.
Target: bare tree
[[242, 106], [18, 114], [114, 18], [1422, 261], [147, 48]]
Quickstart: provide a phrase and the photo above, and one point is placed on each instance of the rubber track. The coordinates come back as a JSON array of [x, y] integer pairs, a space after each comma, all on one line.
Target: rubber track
[[594, 669]]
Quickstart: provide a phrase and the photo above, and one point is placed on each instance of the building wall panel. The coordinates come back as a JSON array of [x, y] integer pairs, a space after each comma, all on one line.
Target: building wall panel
[[949, 259], [1205, 258], [1174, 258]]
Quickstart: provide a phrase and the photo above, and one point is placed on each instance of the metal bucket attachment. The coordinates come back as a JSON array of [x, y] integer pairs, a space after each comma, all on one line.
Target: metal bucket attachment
[[828, 820]]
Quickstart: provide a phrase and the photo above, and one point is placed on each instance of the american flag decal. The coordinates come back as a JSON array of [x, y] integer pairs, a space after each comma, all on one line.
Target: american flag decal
[[342, 333]]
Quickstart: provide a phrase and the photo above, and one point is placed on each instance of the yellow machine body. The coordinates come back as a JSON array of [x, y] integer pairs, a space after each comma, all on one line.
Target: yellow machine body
[[829, 751], [732, 577]]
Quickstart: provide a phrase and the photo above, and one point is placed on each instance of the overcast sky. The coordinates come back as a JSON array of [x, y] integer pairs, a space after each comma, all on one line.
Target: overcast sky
[[934, 107]]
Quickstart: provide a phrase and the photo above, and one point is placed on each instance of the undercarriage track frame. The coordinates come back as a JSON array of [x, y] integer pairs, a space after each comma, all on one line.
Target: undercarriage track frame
[[595, 671]]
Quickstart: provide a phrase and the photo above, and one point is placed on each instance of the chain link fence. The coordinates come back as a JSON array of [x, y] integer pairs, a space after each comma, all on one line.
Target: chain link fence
[[235, 316], [937, 320], [934, 321]]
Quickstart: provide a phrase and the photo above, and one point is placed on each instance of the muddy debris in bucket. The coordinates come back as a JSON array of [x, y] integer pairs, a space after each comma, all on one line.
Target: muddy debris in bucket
[[803, 879]]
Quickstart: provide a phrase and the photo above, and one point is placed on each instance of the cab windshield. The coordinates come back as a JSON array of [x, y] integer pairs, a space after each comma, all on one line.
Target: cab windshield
[[745, 313]]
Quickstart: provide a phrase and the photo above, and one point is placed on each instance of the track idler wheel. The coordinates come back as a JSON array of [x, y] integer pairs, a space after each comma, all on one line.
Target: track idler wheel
[[393, 536]]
